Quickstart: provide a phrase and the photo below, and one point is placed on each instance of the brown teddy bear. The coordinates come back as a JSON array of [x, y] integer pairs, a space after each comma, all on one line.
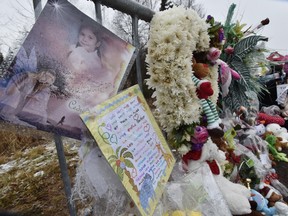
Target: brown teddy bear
[[270, 194]]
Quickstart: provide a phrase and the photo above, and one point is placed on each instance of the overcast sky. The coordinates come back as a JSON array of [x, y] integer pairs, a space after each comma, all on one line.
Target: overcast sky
[[250, 12]]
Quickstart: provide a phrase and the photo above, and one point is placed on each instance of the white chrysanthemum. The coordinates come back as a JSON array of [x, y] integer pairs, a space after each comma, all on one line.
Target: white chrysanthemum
[[174, 35], [183, 150]]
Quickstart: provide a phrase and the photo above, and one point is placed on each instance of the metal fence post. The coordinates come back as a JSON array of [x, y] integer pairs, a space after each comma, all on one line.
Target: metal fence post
[[37, 8], [64, 174], [135, 37], [98, 11]]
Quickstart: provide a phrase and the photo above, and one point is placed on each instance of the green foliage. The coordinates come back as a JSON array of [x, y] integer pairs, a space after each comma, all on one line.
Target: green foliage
[[237, 89], [246, 45], [181, 136]]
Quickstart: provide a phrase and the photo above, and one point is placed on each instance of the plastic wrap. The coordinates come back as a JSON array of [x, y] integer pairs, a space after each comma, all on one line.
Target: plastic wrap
[[261, 167], [195, 194], [95, 179]]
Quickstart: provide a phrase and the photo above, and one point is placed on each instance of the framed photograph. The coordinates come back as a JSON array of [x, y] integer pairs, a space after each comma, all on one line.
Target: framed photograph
[[67, 65]]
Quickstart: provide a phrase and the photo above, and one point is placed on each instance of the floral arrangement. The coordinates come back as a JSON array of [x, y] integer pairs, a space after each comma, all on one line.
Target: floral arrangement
[[170, 67]]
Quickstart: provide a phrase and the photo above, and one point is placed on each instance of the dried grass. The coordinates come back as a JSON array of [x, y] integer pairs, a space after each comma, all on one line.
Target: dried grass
[[20, 190]]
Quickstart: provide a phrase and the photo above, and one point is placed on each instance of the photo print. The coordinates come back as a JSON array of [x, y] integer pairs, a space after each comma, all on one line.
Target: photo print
[[67, 65]]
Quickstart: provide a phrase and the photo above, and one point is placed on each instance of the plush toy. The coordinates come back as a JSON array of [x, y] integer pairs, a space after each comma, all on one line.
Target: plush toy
[[262, 203], [260, 129], [204, 91], [274, 140], [270, 194], [271, 140], [268, 119], [236, 195], [227, 74], [281, 209], [272, 178], [281, 134], [274, 128], [199, 137]]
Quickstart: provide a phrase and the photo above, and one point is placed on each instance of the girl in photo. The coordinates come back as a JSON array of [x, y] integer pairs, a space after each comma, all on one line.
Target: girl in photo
[[90, 81]]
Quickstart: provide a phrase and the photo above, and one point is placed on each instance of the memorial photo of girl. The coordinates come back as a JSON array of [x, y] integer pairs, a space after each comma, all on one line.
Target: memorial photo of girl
[[90, 76], [26, 97]]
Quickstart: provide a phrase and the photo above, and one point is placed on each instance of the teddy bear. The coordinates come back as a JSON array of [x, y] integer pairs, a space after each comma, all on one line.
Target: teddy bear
[[271, 140], [272, 178], [275, 199], [236, 195], [204, 92], [274, 140], [262, 203], [270, 194], [280, 133]]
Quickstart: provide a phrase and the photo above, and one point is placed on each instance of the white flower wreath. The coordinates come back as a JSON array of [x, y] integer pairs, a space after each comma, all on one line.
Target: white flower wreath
[[174, 35]]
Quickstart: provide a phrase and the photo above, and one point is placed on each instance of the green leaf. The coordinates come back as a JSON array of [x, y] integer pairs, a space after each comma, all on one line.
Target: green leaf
[[117, 151], [122, 151], [128, 155], [112, 157], [236, 98], [128, 163], [246, 45], [112, 161]]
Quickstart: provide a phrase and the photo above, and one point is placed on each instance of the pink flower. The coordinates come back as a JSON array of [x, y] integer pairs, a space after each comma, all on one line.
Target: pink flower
[[213, 54], [200, 135], [229, 50]]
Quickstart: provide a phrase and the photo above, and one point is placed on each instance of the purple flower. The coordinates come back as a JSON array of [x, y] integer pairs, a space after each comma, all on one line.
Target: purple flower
[[221, 36], [209, 17]]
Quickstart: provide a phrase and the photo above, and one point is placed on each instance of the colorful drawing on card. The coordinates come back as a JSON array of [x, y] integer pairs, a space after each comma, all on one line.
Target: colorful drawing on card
[[67, 64], [133, 144]]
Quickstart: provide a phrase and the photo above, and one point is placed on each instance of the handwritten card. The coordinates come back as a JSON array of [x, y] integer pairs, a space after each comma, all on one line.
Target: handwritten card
[[133, 144]]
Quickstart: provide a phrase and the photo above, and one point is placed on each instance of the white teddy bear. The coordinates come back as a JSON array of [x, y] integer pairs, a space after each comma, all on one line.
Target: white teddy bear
[[236, 195]]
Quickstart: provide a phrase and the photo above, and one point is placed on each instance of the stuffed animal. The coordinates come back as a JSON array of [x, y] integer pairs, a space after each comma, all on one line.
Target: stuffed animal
[[270, 194], [262, 203], [274, 140], [272, 179], [227, 74], [204, 91], [271, 141], [236, 195], [268, 119], [260, 129], [281, 209], [281, 134]]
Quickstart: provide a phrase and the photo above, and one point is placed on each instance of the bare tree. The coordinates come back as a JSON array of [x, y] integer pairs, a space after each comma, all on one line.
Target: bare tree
[[14, 28], [122, 23], [190, 4]]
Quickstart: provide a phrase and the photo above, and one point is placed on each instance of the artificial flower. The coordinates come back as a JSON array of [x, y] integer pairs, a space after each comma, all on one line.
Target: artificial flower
[[213, 54], [169, 65], [229, 50], [183, 150]]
